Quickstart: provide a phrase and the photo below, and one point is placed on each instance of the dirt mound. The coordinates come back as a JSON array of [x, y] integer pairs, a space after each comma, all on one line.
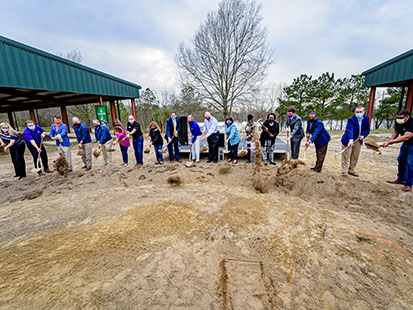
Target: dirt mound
[[61, 165], [175, 180], [224, 169]]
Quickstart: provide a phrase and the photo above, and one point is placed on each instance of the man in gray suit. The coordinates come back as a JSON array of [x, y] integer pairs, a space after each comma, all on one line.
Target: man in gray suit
[[294, 124]]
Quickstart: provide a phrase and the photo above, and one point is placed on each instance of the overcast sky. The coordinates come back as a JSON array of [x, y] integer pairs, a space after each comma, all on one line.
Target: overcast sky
[[137, 40]]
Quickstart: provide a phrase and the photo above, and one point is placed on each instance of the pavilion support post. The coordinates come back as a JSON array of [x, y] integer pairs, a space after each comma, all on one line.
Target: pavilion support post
[[133, 108], [32, 116], [100, 100], [11, 119], [113, 110], [371, 103], [409, 100], [401, 99], [64, 117]]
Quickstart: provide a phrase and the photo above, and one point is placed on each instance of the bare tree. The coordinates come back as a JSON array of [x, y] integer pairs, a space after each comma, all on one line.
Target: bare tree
[[74, 56], [229, 57]]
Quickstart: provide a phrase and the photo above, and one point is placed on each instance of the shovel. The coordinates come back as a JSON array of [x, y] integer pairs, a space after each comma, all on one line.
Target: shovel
[[190, 162], [342, 151], [37, 165], [205, 147], [163, 150], [288, 146]]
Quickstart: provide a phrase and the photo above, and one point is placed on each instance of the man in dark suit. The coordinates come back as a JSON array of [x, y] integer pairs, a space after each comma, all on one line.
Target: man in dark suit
[[358, 127], [317, 134], [171, 135], [294, 124]]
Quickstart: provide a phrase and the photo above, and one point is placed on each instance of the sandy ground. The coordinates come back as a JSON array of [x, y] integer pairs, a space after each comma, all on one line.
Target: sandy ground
[[123, 238]]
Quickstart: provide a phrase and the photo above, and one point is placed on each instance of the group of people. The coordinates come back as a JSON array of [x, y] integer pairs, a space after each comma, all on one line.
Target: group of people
[[357, 129]]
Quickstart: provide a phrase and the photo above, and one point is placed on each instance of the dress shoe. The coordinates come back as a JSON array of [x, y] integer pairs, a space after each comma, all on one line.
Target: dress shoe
[[345, 175], [48, 171], [88, 169], [354, 174], [406, 189], [395, 182]]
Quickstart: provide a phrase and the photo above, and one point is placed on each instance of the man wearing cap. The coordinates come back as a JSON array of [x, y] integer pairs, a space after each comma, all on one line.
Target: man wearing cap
[[58, 132], [317, 134], [104, 140], [171, 135], [33, 136], [294, 125], [85, 142], [270, 130], [211, 134]]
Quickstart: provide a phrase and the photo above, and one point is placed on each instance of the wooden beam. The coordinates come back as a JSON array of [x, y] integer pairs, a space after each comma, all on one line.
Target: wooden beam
[[409, 98], [371, 103], [100, 100], [11, 119], [64, 117], [32, 116], [113, 110], [132, 101]]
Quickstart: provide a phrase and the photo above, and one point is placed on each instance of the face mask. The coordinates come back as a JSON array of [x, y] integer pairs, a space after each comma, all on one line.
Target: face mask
[[116, 125], [208, 118], [271, 120], [228, 123], [173, 117], [400, 121], [32, 127], [77, 125], [312, 120], [290, 116], [359, 115], [190, 123], [5, 130], [57, 122], [153, 129], [131, 121]]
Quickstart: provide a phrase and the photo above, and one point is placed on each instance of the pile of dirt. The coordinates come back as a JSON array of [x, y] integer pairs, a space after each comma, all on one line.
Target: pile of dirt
[[224, 168], [61, 165], [175, 180]]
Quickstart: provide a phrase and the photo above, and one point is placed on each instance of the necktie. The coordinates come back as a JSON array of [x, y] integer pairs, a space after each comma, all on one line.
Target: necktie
[[175, 133]]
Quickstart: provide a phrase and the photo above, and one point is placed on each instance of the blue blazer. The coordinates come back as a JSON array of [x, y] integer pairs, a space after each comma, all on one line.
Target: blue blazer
[[170, 128], [102, 134], [319, 134], [82, 133], [353, 129], [62, 131]]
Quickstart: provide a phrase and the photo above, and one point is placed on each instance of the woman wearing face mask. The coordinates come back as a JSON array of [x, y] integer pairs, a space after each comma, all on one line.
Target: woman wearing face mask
[[123, 140], [233, 139], [10, 140], [403, 132], [270, 130], [157, 142]]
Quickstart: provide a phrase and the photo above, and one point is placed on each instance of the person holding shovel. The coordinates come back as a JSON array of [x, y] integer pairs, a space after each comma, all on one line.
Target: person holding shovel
[[10, 140], [85, 142], [294, 125], [270, 130], [250, 129], [33, 136], [134, 129], [317, 134], [233, 139], [58, 132], [211, 134], [122, 139], [403, 132], [104, 140], [196, 139], [358, 128], [171, 135], [156, 141]]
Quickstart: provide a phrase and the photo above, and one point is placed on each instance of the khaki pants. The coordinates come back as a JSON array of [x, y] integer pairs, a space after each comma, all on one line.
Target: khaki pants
[[107, 156], [350, 158], [87, 158], [196, 148], [68, 155]]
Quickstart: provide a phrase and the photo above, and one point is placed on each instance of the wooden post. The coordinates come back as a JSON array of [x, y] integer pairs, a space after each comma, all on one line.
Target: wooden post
[[64, 117], [133, 108], [113, 110], [409, 98], [11, 119], [371, 102], [100, 100], [32, 116]]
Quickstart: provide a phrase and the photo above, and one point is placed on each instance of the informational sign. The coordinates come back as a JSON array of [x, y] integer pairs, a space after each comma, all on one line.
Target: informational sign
[[101, 113]]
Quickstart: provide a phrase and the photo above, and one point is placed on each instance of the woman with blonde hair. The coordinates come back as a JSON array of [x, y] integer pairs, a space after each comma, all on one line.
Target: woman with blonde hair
[[10, 140], [121, 137]]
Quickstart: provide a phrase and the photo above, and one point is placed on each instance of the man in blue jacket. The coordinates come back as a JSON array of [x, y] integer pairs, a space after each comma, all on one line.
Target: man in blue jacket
[[85, 142], [171, 135], [104, 140], [317, 134], [58, 132], [358, 127]]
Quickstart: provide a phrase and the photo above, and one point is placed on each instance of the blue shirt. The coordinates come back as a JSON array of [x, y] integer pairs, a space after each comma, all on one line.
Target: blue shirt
[[7, 139], [35, 135], [319, 135], [62, 131], [195, 130], [82, 133], [102, 134], [211, 126], [232, 134], [355, 128]]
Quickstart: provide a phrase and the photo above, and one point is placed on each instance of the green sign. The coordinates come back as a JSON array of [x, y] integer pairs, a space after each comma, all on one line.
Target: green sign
[[101, 113]]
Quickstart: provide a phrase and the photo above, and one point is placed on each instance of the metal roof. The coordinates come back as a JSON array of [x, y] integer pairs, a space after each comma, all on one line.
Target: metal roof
[[33, 79], [397, 71]]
